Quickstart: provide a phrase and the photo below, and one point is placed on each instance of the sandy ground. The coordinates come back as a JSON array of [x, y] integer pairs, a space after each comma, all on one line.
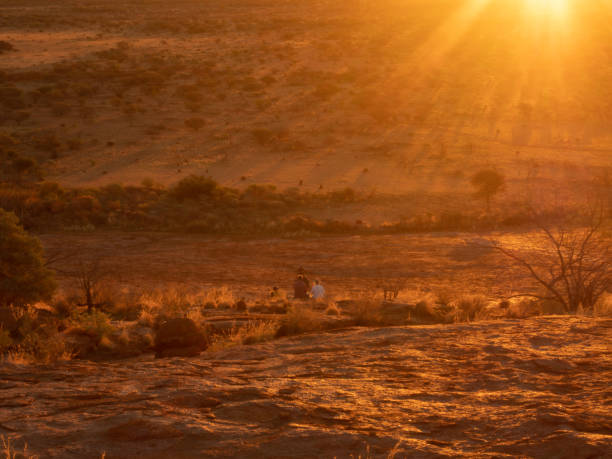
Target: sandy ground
[[531, 388]]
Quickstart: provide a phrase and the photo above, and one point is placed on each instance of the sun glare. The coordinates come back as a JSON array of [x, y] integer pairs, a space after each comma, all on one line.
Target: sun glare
[[555, 8]]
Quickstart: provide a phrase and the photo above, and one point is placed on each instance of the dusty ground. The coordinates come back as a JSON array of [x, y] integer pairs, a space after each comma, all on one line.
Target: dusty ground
[[346, 265], [531, 388]]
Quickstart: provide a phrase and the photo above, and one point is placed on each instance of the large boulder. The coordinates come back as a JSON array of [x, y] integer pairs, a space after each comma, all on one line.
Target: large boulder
[[179, 338]]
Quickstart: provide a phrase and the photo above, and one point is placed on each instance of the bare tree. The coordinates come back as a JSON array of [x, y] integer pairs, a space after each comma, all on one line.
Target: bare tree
[[88, 275], [86, 272], [572, 262]]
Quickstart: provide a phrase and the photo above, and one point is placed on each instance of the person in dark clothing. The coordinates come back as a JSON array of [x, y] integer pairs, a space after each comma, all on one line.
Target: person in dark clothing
[[302, 274], [300, 289]]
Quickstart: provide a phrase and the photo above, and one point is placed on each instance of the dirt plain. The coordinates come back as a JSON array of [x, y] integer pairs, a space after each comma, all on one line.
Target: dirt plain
[[348, 266]]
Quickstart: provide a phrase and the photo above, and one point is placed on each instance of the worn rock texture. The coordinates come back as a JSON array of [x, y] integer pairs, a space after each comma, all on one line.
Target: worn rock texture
[[527, 388]]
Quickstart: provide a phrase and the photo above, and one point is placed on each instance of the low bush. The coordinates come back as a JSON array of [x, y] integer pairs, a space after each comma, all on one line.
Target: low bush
[[95, 324], [603, 308], [469, 308], [300, 319], [5, 47], [198, 204]]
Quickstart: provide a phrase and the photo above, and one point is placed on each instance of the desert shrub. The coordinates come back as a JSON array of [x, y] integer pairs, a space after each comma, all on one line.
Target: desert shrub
[[444, 297], [119, 304], [299, 319], [43, 346], [94, 323], [63, 305], [25, 279], [5, 47], [343, 196], [427, 311], [469, 308], [33, 338], [603, 308], [193, 187], [22, 165], [147, 318], [169, 302]]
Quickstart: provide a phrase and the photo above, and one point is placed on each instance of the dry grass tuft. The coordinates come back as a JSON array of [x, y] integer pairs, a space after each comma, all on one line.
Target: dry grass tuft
[[470, 308], [252, 333], [603, 308]]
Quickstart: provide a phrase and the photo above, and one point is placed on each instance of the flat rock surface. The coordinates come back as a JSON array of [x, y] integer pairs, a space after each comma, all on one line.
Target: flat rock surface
[[531, 388]]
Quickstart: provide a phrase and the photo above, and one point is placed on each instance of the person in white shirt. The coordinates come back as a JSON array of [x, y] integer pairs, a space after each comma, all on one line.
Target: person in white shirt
[[317, 291]]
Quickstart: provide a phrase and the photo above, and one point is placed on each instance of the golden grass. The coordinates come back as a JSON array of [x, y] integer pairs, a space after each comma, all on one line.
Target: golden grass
[[603, 308], [252, 333]]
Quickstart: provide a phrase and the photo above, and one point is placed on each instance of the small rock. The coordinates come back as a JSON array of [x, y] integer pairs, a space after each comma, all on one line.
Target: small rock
[[179, 338]]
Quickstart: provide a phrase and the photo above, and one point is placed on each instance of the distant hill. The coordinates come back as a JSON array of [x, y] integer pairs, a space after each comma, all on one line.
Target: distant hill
[[394, 96]]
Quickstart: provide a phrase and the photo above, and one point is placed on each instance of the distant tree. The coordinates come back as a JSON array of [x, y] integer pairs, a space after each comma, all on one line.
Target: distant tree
[[488, 183], [24, 278]]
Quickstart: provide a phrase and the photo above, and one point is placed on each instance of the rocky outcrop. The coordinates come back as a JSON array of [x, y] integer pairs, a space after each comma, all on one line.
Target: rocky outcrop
[[512, 388]]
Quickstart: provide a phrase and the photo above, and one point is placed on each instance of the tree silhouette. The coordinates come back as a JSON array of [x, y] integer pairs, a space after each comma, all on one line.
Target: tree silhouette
[[488, 183]]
